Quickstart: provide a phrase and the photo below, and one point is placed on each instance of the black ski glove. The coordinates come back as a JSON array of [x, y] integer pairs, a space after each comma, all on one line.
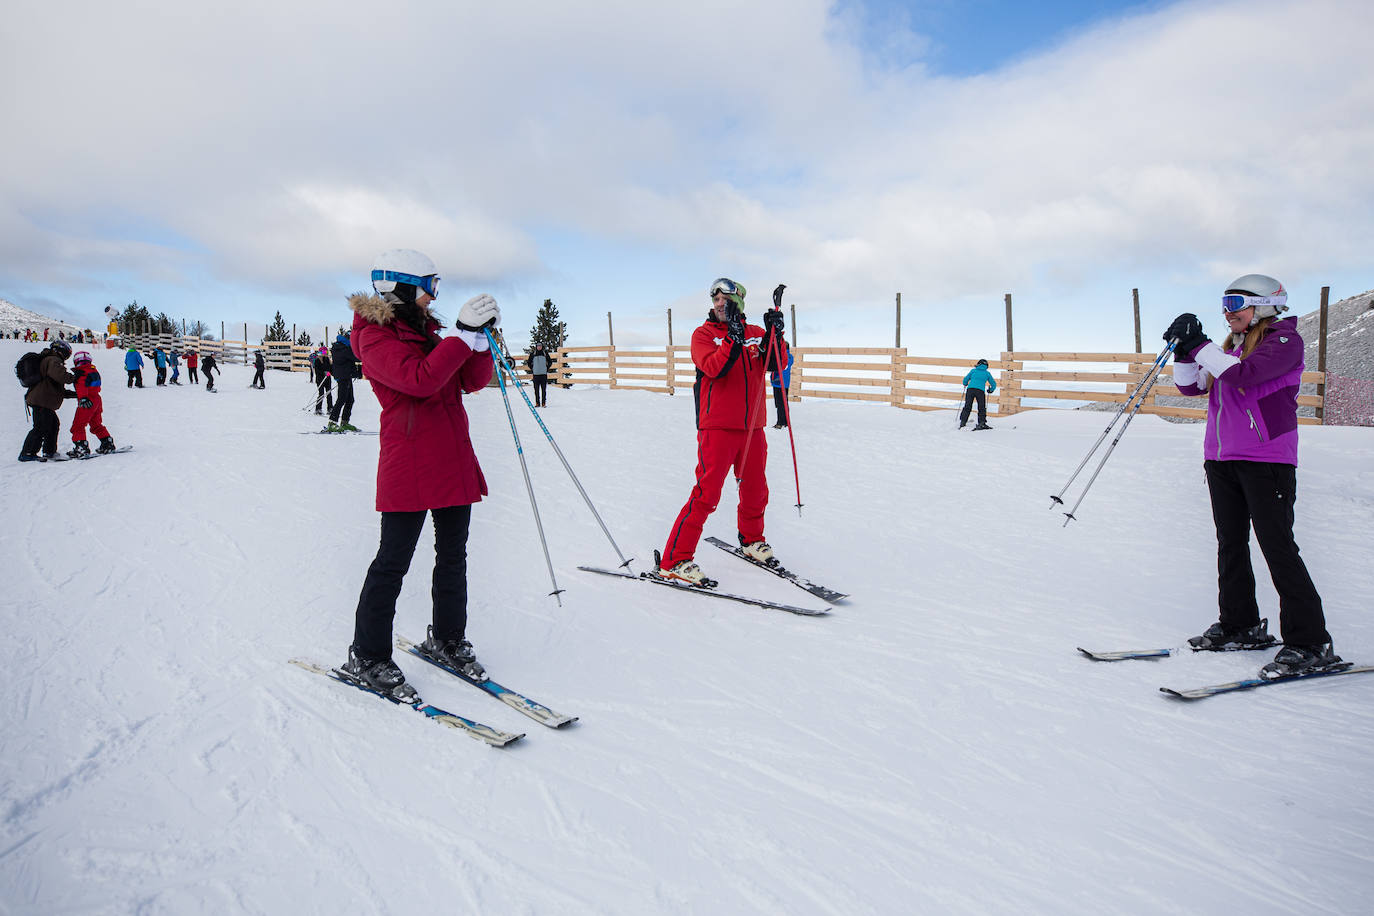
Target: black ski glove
[[85, 402], [1188, 329], [735, 327], [773, 321]]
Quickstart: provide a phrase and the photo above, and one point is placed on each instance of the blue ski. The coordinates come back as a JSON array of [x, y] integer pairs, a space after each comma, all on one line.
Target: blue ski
[[521, 704], [485, 733], [1200, 693]]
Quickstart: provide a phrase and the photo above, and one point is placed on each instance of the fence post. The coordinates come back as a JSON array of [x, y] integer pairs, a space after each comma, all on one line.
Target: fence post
[[672, 368], [898, 367], [1010, 346], [1009, 401], [610, 352], [794, 324], [794, 392], [1135, 303], [245, 343], [899, 321], [1321, 356]]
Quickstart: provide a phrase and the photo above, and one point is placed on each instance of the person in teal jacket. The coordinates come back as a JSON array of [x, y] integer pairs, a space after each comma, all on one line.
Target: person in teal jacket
[[133, 364], [978, 384]]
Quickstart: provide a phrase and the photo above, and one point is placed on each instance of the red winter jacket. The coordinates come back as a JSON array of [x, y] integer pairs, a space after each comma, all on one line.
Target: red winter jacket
[[729, 378], [426, 460]]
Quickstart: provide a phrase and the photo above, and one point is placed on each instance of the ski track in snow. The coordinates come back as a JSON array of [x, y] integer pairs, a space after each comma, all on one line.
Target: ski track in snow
[[935, 744]]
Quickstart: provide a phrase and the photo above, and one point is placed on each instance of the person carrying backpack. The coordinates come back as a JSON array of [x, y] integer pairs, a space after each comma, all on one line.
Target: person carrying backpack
[[43, 400]]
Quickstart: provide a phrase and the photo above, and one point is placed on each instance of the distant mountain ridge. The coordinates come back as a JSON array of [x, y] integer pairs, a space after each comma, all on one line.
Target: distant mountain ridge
[[12, 318]]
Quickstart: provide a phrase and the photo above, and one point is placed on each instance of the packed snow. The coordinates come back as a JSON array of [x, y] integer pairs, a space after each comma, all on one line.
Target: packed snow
[[935, 744]]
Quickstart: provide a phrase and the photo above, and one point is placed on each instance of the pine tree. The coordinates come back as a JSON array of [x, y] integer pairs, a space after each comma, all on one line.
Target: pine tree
[[134, 319], [162, 324], [304, 339], [277, 331], [548, 331]]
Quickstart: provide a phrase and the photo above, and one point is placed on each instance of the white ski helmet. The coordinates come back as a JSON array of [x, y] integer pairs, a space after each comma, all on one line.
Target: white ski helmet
[[1265, 294], [405, 265]]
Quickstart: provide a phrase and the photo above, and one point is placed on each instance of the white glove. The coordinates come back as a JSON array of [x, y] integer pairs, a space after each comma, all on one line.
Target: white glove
[[478, 312], [476, 340]]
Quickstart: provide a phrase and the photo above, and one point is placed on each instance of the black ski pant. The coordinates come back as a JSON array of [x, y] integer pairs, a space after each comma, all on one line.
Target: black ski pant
[[324, 390], [257, 380], [343, 406], [541, 391], [780, 404], [135, 378], [191, 374], [377, 603], [1258, 493], [44, 432], [970, 395], [162, 375]]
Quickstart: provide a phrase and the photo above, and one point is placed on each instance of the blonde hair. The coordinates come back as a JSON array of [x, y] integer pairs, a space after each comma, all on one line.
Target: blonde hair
[[1251, 337]]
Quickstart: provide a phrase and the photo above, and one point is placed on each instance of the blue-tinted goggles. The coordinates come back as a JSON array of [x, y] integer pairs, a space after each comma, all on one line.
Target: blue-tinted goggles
[[728, 287], [1234, 302], [428, 284]]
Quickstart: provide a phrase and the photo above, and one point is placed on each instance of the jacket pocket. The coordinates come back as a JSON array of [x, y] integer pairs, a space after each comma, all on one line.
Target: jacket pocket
[[1254, 425], [410, 419]]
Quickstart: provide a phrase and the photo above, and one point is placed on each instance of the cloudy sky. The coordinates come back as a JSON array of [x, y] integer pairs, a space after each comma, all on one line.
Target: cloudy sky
[[221, 163]]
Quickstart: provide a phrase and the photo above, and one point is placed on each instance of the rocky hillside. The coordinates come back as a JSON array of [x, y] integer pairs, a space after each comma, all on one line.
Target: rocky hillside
[[13, 318]]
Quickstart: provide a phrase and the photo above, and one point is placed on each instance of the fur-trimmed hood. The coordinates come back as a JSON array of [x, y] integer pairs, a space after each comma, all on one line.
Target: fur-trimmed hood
[[377, 310]]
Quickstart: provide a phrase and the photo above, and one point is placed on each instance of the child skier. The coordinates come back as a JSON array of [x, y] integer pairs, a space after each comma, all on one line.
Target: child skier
[[210, 370], [978, 384], [89, 408], [192, 361]]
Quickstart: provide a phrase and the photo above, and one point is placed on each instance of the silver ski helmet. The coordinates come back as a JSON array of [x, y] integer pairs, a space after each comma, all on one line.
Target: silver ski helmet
[[1265, 294], [405, 265]]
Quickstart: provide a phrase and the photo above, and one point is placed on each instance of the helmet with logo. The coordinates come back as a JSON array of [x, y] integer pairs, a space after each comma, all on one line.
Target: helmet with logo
[[62, 348], [405, 265], [1265, 294], [81, 358]]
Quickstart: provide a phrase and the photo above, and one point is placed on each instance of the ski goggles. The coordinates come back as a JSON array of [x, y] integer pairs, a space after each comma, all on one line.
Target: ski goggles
[[728, 287], [1234, 302], [429, 284]]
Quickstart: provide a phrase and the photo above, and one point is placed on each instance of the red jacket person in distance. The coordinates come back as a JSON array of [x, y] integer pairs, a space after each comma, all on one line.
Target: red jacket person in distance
[[731, 357], [426, 464]]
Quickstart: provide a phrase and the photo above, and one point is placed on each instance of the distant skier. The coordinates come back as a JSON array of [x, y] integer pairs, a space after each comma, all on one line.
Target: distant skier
[[320, 368], [133, 364], [978, 384], [345, 370], [192, 361], [1250, 453], [426, 463], [89, 408], [44, 399], [175, 360], [730, 358], [210, 370], [538, 363], [259, 366], [160, 363]]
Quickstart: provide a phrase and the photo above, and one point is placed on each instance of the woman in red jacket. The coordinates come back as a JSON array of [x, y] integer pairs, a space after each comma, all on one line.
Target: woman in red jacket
[[426, 464]]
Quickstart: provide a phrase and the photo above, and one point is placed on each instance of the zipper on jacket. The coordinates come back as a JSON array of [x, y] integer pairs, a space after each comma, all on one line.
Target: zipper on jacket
[[1218, 428], [1254, 425]]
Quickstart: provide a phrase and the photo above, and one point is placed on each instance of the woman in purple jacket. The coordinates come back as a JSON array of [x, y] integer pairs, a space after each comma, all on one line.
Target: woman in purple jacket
[[1251, 457]]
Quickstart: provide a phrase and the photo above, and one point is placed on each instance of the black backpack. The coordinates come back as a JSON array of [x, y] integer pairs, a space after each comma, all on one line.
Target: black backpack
[[27, 369]]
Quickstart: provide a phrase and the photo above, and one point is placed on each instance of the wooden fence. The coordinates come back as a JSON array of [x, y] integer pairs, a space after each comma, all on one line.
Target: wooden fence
[[890, 375]]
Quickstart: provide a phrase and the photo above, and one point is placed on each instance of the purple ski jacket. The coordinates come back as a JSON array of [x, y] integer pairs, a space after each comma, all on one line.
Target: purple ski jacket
[[1252, 404]]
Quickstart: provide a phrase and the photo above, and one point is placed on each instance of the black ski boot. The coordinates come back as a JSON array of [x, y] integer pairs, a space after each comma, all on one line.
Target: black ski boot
[[1223, 639], [106, 445], [79, 449], [456, 653], [379, 674], [1301, 660]]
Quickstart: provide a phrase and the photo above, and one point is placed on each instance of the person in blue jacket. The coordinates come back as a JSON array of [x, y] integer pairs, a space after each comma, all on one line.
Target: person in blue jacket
[[175, 358], [978, 384], [133, 364], [780, 390], [160, 362]]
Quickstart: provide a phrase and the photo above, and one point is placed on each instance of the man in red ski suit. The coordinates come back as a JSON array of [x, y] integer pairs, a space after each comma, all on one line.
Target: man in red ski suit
[[89, 408], [730, 358]]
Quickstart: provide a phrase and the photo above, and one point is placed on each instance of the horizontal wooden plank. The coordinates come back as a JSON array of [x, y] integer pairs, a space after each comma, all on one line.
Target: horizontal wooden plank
[[962, 362], [621, 386], [808, 365], [1023, 356], [847, 351], [581, 349], [1125, 378], [841, 380], [932, 377], [845, 395], [1159, 410]]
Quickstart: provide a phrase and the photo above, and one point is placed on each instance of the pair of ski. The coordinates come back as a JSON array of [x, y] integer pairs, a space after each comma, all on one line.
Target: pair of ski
[[485, 733], [820, 591], [1201, 693]]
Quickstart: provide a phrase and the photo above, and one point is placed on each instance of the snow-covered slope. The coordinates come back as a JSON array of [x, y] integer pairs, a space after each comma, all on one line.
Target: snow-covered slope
[[12, 318], [935, 745]]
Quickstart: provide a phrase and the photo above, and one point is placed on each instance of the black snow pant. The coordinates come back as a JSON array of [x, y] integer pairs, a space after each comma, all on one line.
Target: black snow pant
[[44, 432], [541, 391], [257, 380], [377, 603], [970, 395], [1262, 494], [324, 390], [135, 378], [343, 407], [162, 375], [780, 405], [191, 374]]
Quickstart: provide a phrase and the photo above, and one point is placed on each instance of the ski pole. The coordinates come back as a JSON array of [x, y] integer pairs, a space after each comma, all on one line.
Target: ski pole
[[568, 467], [524, 469], [1152, 378], [787, 413], [1154, 369]]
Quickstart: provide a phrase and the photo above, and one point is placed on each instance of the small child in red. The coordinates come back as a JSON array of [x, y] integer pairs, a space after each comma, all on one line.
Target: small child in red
[[88, 408]]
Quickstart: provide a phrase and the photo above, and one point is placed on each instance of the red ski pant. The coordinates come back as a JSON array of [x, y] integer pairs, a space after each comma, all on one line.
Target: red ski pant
[[718, 450], [91, 416]]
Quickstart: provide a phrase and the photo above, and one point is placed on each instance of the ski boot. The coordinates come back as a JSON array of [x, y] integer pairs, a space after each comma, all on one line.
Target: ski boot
[[758, 551], [380, 675], [456, 653], [106, 445], [687, 572], [1301, 660], [1219, 638], [80, 449], [26, 457], [332, 427], [348, 427]]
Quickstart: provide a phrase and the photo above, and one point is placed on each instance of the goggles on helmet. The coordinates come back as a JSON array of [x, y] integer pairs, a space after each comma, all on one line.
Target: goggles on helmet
[[1235, 302], [728, 287], [429, 284]]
